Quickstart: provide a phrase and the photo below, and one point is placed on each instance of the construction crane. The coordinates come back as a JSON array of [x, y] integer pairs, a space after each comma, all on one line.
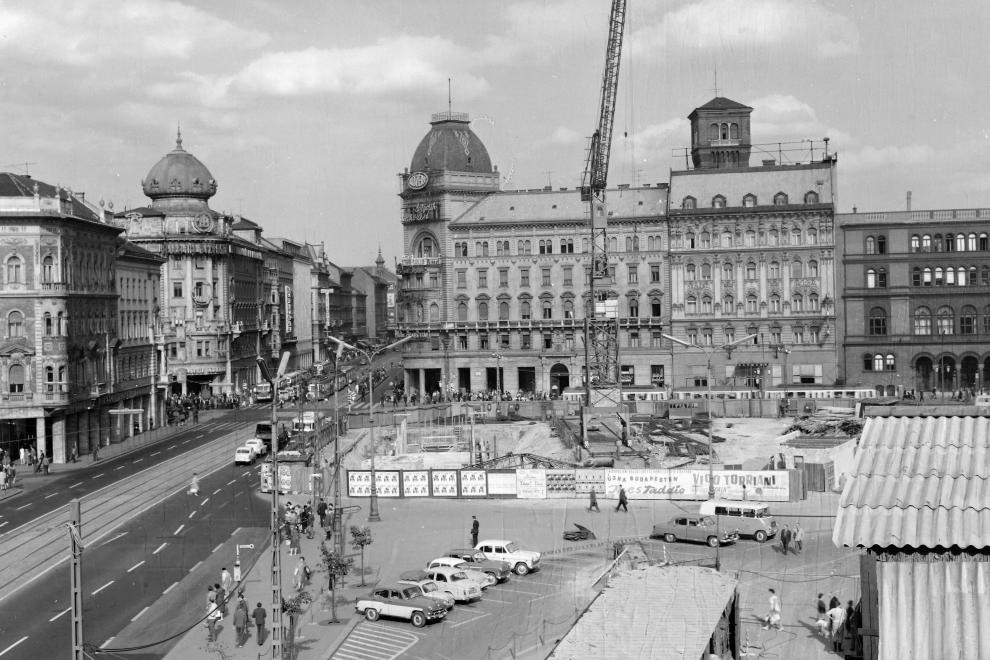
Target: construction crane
[[601, 346]]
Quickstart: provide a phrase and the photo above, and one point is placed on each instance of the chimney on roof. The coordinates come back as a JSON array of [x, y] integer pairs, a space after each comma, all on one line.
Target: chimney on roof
[[909, 200], [854, 209]]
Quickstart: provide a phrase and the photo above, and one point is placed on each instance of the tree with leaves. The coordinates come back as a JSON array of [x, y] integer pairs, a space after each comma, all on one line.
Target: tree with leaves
[[294, 607], [361, 537], [336, 567]]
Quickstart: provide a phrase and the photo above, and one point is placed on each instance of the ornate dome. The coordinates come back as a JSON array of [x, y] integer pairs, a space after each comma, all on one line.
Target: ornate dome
[[452, 146], [179, 174]]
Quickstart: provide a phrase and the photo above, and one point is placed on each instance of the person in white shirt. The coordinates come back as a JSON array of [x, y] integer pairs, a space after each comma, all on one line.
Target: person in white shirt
[[773, 615], [837, 620]]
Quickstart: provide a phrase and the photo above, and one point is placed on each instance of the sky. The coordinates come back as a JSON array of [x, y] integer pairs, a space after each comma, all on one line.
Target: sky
[[306, 111]]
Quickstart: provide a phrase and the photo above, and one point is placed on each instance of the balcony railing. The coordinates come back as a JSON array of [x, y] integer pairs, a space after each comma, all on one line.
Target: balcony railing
[[420, 261]]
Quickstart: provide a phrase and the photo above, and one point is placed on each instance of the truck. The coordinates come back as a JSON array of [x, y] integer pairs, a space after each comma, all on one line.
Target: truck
[[308, 421]]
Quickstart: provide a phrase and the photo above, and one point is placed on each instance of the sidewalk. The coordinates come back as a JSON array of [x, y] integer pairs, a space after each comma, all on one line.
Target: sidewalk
[[28, 480]]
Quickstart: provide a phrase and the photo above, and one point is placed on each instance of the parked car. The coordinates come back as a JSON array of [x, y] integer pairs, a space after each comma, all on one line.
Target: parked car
[[522, 561], [483, 579], [259, 446], [693, 528], [477, 560], [401, 602], [455, 582], [243, 455], [429, 588]]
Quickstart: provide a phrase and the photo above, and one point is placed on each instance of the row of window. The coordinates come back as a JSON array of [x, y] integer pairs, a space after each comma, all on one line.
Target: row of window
[[876, 278], [546, 276], [749, 238], [545, 307], [799, 335], [946, 322], [543, 246], [879, 362], [797, 269], [749, 200], [798, 304], [971, 242]]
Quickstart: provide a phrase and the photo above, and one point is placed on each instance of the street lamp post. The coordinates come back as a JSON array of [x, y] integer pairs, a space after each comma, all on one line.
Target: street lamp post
[[711, 454], [373, 515], [498, 372]]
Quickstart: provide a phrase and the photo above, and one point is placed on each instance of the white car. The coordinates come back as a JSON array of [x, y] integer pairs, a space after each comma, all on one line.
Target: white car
[[244, 455], [258, 445], [483, 579], [429, 588], [522, 561], [455, 582]]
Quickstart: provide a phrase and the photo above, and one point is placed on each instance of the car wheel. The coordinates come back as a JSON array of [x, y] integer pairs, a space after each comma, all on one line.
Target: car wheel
[[760, 536], [669, 538], [522, 568], [713, 541], [371, 614], [418, 619], [492, 579], [451, 594]]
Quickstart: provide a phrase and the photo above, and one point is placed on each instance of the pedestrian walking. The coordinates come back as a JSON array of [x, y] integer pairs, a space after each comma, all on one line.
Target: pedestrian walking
[[226, 579], [773, 614], [240, 624], [821, 616], [3, 479], [299, 574], [73, 453], [623, 500], [193, 484], [837, 620], [211, 595], [212, 616], [44, 463], [221, 599], [593, 501], [798, 538], [37, 464], [785, 539], [259, 615], [475, 527], [321, 511]]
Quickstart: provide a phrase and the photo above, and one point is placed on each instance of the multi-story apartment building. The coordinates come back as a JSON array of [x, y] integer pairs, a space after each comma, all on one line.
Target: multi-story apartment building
[[915, 312], [751, 253], [211, 281], [376, 282], [494, 284]]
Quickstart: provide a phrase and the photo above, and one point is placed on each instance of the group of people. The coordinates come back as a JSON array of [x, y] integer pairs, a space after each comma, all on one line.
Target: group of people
[[218, 599], [296, 520], [792, 540], [835, 623]]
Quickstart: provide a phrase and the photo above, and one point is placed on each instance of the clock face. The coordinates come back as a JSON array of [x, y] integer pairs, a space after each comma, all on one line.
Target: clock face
[[203, 223], [418, 180]]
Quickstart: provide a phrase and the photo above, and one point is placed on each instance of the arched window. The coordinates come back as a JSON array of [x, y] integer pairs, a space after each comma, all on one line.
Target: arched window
[[749, 200], [813, 302], [871, 245], [773, 238], [503, 311], [960, 242], [751, 307], [569, 308], [49, 325], [871, 278], [728, 272], [751, 271], [14, 270], [525, 310], [797, 269], [706, 271], [48, 269], [939, 276], [547, 309], [689, 240], [915, 243], [926, 243], [15, 377], [689, 272], [726, 239], [656, 307], [877, 362], [15, 324], [62, 325], [780, 199], [49, 379], [775, 304], [960, 276], [713, 132], [797, 303], [813, 269], [795, 236], [689, 203], [811, 197], [812, 236], [706, 240], [878, 321], [774, 273], [706, 305], [482, 311], [750, 238], [728, 305], [692, 305], [946, 321], [462, 311], [967, 320], [733, 131], [881, 245], [889, 362], [718, 202], [434, 313]]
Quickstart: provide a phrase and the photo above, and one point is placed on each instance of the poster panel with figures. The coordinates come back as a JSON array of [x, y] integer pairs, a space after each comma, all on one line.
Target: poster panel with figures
[[416, 483], [560, 483], [474, 483], [589, 479], [358, 483], [444, 483], [387, 483], [502, 483], [285, 484], [531, 484]]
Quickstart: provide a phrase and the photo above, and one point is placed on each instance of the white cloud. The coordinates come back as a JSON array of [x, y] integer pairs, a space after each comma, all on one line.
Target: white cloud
[[404, 64], [563, 135], [548, 26], [785, 117], [877, 159], [722, 25]]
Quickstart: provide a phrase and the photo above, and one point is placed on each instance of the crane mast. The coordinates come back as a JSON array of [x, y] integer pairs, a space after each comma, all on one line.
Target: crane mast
[[601, 322]]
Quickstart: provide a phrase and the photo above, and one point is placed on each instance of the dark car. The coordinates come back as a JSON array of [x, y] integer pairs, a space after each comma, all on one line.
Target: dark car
[[401, 602], [500, 570], [702, 529]]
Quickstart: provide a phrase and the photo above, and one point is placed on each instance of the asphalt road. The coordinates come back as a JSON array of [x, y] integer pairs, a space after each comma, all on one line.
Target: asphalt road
[[131, 569]]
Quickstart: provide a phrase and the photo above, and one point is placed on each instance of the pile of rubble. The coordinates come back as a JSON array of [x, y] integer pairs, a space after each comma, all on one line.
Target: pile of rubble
[[829, 422]]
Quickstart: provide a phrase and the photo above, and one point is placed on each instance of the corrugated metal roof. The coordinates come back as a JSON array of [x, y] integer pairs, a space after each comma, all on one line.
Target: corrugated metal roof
[[934, 610], [664, 613], [918, 482]]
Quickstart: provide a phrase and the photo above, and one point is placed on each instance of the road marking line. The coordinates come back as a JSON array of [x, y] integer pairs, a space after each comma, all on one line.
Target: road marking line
[[549, 584], [135, 566], [489, 599], [192, 513], [249, 472], [204, 501], [107, 643], [140, 613], [68, 609], [555, 593], [103, 587], [198, 436], [111, 540], [172, 586], [159, 548], [119, 467], [184, 442], [99, 475], [24, 507], [172, 447], [176, 533], [475, 618], [522, 591], [218, 547], [138, 460], [52, 495], [197, 565], [232, 481], [155, 453], [4, 523], [74, 485], [13, 645], [217, 491]]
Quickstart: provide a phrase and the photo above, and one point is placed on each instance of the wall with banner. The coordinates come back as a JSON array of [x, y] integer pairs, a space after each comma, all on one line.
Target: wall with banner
[[640, 484]]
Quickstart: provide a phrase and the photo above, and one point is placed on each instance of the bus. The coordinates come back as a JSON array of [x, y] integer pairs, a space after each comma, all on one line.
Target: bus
[[778, 392], [263, 392], [629, 393]]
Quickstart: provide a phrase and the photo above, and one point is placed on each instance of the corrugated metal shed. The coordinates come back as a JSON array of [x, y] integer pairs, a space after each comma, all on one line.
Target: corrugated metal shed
[[664, 613], [918, 482]]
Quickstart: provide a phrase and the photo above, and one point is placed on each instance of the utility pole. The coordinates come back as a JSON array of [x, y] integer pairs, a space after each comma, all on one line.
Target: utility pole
[[75, 589], [337, 513]]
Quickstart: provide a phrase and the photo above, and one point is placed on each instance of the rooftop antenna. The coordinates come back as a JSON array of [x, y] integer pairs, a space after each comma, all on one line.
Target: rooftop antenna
[[716, 81], [25, 165], [448, 97], [549, 182], [178, 135]]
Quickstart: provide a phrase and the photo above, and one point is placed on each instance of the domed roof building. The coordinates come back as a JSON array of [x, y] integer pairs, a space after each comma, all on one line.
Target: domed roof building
[[451, 145]]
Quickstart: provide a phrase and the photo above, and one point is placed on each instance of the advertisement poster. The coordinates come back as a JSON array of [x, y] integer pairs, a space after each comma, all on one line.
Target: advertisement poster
[[387, 482], [284, 478], [502, 483], [473, 483], [444, 483], [769, 486], [531, 484], [588, 479], [416, 483], [560, 483], [359, 483]]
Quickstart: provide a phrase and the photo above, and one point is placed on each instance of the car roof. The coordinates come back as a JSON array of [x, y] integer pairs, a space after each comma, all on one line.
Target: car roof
[[396, 586], [414, 576], [458, 551], [446, 569], [243, 448], [494, 542], [448, 558]]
